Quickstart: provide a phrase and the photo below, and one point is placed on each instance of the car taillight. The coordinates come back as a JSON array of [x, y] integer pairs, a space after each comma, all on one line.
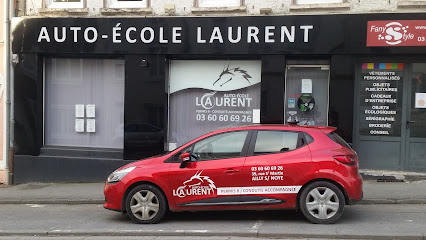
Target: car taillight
[[346, 159]]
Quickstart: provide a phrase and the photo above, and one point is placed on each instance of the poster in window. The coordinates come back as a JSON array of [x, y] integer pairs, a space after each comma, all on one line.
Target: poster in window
[[79, 110], [79, 125], [91, 125], [211, 94], [90, 110], [420, 100], [381, 99]]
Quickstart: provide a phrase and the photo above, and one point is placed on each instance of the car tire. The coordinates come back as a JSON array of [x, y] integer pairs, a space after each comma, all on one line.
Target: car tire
[[322, 202], [146, 204]]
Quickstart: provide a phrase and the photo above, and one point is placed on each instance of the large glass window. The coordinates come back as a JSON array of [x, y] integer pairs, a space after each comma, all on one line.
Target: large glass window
[[381, 89], [84, 102], [317, 1], [128, 3], [275, 142], [306, 94], [226, 145], [209, 94], [219, 3], [65, 3], [417, 119]]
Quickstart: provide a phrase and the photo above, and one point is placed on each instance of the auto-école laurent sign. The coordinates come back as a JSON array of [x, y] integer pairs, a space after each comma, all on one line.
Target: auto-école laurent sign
[[242, 35], [148, 34]]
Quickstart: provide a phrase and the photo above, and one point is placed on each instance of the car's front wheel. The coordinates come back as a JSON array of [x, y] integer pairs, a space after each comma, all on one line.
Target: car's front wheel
[[322, 202], [146, 204]]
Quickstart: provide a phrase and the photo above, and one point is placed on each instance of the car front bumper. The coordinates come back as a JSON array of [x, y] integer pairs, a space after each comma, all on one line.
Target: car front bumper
[[113, 196]]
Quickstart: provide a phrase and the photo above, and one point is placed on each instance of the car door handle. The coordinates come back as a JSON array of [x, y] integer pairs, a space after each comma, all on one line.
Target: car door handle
[[231, 171]]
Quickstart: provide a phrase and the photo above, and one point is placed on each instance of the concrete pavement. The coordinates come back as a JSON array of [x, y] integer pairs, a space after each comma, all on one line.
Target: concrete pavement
[[380, 221], [413, 192]]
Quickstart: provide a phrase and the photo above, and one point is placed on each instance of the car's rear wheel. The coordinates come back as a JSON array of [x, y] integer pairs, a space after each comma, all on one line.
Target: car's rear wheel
[[146, 204], [322, 202]]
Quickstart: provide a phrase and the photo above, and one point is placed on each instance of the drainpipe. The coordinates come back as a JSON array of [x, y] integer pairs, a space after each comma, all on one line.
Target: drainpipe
[[8, 90]]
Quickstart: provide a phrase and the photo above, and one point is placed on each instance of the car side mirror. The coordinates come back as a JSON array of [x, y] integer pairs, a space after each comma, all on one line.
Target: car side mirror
[[185, 158]]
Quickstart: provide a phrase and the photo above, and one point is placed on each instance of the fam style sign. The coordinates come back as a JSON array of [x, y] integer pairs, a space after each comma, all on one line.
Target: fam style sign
[[396, 33]]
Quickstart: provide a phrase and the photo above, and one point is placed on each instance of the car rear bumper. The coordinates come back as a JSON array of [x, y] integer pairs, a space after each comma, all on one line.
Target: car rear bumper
[[354, 190], [356, 201]]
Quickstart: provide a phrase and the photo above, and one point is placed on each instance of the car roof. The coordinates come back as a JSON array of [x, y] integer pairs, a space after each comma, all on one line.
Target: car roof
[[289, 127]]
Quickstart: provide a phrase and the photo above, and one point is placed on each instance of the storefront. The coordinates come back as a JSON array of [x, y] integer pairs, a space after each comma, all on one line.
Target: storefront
[[93, 93]]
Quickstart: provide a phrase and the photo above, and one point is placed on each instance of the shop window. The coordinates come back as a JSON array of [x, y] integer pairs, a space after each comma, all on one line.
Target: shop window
[[128, 3], [64, 3], [275, 142], [209, 94], [84, 103], [218, 3], [306, 94], [317, 1]]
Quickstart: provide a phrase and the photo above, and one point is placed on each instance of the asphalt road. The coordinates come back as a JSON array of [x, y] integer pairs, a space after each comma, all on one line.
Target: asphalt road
[[391, 221], [140, 238]]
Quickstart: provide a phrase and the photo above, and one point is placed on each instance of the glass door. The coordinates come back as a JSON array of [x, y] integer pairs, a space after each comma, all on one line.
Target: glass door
[[416, 120], [306, 94]]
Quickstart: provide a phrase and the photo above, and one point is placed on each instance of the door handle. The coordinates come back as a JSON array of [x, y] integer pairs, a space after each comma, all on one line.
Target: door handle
[[408, 124], [231, 171]]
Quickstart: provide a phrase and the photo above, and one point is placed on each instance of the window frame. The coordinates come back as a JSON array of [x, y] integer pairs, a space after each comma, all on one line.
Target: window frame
[[127, 4], [301, 142], [52, 4], [46, 104], [296, 2], [198, 5]]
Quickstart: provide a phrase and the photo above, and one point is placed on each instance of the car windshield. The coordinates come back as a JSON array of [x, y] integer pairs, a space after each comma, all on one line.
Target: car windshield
[[338, 139]]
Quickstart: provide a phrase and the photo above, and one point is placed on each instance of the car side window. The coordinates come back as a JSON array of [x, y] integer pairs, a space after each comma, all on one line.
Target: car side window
[[268, 142], [224, 145]]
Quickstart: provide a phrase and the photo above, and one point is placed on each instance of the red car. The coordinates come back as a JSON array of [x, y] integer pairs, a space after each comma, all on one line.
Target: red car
[[253, 167]]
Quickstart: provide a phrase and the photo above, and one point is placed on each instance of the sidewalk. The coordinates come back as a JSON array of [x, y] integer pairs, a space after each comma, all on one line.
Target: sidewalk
[[375, 192]]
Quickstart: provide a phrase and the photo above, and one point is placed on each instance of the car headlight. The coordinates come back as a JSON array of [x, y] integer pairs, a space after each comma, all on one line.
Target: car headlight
[[116, 176]]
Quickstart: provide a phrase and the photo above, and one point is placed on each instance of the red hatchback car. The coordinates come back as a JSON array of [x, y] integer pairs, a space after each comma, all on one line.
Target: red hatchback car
[[252, 167]]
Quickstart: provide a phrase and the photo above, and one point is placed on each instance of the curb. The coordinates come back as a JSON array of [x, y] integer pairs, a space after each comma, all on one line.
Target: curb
[[206, 233], [99, 201], [371, 175], [54, 201]]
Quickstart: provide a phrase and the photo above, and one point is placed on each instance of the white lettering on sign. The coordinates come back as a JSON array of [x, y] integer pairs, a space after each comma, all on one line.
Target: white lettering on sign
[[258, 190], [197, 185], [208, 100], [306, 32], [148, 35], [286, 34], [231, 33], [377, 29]]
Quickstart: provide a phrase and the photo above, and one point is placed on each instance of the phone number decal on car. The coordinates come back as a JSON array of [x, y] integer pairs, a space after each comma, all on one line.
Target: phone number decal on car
[[267, 173]]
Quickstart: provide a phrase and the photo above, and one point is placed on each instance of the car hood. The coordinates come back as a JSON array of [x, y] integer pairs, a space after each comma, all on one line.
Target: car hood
[[141, 162]]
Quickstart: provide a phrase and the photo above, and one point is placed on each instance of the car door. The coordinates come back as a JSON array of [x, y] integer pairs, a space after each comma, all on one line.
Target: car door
[[213, 175], [274, 167]]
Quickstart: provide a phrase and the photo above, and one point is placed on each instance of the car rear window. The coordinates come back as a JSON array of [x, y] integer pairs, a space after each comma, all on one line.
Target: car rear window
[[338, 139]]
